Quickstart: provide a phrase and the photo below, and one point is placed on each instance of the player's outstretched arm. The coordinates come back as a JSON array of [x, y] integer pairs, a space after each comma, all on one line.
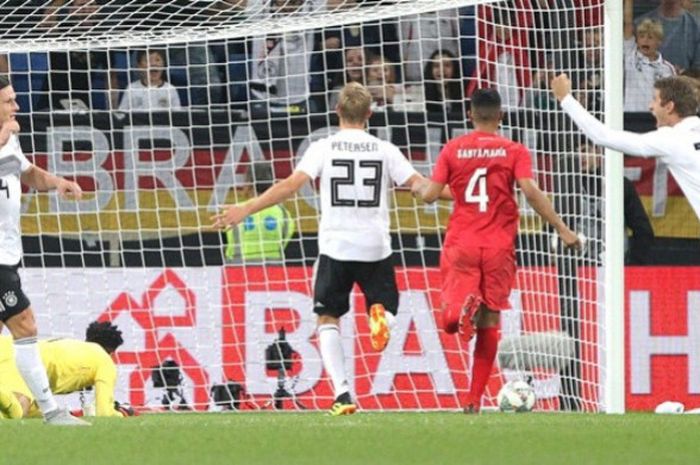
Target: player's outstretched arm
[[428, 190], [105, 380], [541, 204], [630, 143], [446, 193], [277, 193], [42, 180]]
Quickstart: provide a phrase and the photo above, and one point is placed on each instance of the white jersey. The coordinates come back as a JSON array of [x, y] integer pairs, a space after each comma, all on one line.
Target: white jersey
[[356, 170], [146, 98], [280, 67], [678, 146], [12, 164]]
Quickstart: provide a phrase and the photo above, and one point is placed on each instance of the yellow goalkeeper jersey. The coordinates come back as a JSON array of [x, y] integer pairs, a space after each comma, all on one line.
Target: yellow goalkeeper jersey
[[71, 365]]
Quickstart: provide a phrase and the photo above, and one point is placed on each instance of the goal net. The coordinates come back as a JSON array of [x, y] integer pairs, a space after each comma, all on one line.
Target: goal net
[[164, 112]]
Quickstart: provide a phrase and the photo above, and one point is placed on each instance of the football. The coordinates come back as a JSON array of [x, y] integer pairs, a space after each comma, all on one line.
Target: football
[[516, 396]]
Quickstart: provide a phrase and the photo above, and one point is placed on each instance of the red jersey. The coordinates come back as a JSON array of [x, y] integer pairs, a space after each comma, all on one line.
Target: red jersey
[[481, 169]]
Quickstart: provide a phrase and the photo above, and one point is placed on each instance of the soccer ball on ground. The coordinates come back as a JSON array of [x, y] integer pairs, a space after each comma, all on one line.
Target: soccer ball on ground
[[516, 396]]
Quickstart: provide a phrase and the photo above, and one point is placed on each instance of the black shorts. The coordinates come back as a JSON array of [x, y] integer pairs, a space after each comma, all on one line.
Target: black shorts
[[335, 279], [12, 299]]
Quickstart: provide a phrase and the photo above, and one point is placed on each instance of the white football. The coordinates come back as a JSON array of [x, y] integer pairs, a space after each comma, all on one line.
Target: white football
[[516, 396]]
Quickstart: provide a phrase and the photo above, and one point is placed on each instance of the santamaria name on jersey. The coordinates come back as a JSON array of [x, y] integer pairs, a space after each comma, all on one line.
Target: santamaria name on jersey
[[347, 146], [481, 153]]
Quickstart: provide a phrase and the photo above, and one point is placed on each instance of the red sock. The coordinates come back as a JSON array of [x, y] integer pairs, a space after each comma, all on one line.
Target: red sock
[[484, 355]]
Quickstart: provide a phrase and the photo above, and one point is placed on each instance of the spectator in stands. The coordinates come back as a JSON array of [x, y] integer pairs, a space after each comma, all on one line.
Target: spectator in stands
[[643, 62], [151, 92], [199, 67], [281, 64], [590, 194], [587, 76], [381, 82], [538, 96], [503, 58], [196, 69], [354, 65], [77, 79], [424, 34], [690, 6], [200, 73], [378, 38], [354, 71], [681, 44], [443, 86], [387, 94], [230, 57], [329, 61]]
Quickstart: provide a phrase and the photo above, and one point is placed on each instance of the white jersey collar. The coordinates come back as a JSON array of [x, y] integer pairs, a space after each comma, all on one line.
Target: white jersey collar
[[689, 122]]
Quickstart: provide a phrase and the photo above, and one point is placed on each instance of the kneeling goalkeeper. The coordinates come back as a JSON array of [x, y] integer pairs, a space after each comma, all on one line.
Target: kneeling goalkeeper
[[72, 365]]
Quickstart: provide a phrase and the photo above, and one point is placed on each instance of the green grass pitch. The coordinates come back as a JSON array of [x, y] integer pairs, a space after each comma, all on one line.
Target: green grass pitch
[[365, 438]]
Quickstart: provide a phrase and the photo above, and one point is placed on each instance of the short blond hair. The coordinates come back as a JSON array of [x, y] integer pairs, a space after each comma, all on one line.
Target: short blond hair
[[651, 28], [354, 103]]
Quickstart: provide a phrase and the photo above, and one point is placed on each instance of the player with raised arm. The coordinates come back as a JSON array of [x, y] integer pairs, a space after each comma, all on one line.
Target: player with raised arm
[[676, 141], [356, 171], [15, 310], [72, 365], [477, 261]]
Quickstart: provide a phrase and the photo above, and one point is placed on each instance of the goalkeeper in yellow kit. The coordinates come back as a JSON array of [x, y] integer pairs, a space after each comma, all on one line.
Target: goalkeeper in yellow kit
[[72, 365]]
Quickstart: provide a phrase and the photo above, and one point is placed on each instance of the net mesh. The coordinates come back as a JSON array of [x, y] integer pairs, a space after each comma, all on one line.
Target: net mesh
[[166, 111]]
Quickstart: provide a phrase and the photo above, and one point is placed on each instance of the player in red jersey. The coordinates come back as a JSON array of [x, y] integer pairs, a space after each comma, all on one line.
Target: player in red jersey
[[478, 256]]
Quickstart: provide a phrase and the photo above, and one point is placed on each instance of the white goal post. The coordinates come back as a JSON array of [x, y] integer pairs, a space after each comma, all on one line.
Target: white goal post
[[166, 111]]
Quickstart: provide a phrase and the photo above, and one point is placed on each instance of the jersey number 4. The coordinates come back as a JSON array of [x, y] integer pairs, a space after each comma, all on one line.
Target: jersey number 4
[[5, 187], [374, 181], [476, 189]]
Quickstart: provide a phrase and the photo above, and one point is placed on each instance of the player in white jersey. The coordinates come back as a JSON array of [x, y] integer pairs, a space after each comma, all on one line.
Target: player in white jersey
[[15, 310], [356, 171], [676, 141]]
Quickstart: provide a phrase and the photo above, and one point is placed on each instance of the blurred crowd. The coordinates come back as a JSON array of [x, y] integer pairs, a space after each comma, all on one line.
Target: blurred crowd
[[430, 62]]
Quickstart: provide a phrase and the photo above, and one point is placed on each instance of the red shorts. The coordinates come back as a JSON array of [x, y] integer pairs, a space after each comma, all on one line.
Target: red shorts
[[486, 274]]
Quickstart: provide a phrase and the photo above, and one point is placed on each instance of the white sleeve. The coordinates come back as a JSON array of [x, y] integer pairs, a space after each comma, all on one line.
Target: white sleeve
[[400, 169], [125, 104], [174, 99], [312, 161], [629, 46], [651, 144], [24, 163]]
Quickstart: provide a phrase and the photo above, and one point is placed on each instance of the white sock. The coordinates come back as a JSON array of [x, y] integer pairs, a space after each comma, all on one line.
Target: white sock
[[390, 319], [32, 370], [333, 358]]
